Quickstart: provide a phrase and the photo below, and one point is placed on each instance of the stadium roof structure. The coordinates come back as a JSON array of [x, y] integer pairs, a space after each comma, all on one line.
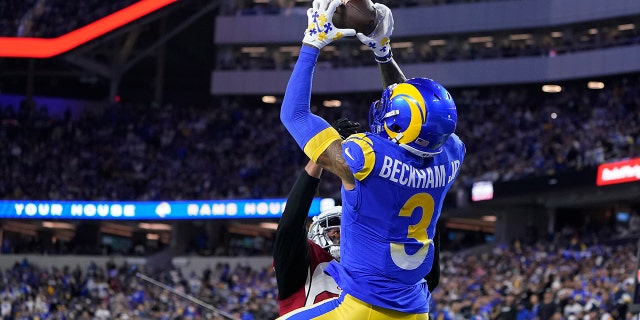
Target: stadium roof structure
[[32, 47], [136, 51]]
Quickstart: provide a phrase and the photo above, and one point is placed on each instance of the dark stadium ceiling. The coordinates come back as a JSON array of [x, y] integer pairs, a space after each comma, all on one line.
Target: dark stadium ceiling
[[28, 46], [180, 35]]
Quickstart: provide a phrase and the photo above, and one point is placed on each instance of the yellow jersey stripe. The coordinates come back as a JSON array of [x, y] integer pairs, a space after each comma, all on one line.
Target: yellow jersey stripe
[[320, 142]]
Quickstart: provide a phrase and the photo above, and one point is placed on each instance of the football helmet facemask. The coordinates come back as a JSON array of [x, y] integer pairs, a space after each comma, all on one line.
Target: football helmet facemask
[[418, 114], [328, 219]]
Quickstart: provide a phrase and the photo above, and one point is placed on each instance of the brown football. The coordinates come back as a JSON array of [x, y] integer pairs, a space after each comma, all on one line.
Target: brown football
[[356, 14]]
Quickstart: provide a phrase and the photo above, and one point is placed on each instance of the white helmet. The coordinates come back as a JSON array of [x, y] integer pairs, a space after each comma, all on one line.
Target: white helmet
[[328, 219]]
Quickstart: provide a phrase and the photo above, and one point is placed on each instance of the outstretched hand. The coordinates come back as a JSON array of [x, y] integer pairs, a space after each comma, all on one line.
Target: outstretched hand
[[379, 40], [320, 29], [345, 127]]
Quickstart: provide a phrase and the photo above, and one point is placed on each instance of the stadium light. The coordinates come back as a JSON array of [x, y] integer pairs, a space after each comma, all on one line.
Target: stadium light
[[332, 103], [155, 226], [58, 225], [253, 50], [520, 36], [628, 26], [269, 225], [269, 99], [437, 42], [480, 39], [551, 88], [49, 47], [595, 85], [402, 45]]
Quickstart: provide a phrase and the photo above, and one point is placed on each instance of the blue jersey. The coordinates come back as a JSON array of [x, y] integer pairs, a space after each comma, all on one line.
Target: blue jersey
[[389, 219]]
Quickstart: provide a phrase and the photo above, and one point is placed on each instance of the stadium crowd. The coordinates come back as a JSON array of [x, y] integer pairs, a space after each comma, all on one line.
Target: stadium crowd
[[238, 149], [288, 7], [574, 274], [137, 153], [112, 291], [52, 18], [440, 48]]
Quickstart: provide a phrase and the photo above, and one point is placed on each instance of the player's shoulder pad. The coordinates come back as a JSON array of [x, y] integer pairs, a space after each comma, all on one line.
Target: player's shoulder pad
[[357, 151]]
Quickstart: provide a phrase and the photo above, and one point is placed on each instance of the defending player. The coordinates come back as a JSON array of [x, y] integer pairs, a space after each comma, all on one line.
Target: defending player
[[300, 258], [394, 180]]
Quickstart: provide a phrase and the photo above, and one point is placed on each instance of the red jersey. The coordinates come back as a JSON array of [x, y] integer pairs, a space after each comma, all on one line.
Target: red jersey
[[319, 285]]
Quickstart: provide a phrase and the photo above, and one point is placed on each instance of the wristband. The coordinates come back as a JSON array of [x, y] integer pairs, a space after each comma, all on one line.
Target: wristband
[[385, 59]]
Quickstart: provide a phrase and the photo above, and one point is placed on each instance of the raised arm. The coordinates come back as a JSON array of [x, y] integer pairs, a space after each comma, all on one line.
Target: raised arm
[[391, 73], [380, 44], [312, 133], [379, 41], [291, 251], [291, 255]]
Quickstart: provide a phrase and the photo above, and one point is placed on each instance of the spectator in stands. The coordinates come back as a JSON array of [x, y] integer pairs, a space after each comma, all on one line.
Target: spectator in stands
[[455, 48], [129, 148], [52, 18], [472, 284]]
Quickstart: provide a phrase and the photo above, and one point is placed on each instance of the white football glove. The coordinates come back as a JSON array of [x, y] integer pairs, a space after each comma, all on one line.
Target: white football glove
[[379, 40], [320, 30]]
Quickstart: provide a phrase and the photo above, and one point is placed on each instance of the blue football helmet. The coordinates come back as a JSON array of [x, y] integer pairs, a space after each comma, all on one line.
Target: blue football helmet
[[418, 114]]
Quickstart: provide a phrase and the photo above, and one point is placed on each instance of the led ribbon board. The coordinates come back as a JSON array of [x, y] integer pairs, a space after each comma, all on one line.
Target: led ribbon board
[[618, 172], [49, 47], [152, 210]]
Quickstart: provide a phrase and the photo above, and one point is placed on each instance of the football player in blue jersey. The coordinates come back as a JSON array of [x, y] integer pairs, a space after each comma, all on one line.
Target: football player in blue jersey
[[300, 257], [394, 179]]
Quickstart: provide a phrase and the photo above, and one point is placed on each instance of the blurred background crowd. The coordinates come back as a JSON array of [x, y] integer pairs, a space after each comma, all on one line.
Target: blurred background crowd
[[574, 274], [441, 48], [241, 150], [236, 148], [246, 7], [52, 18]]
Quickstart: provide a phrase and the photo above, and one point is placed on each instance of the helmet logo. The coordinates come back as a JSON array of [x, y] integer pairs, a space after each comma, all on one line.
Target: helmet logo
[[407, 103], [412, 93], [401, 116]]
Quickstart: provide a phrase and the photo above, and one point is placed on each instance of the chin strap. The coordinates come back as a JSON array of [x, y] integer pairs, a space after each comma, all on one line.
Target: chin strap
[[417, 152], [397, 138]]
